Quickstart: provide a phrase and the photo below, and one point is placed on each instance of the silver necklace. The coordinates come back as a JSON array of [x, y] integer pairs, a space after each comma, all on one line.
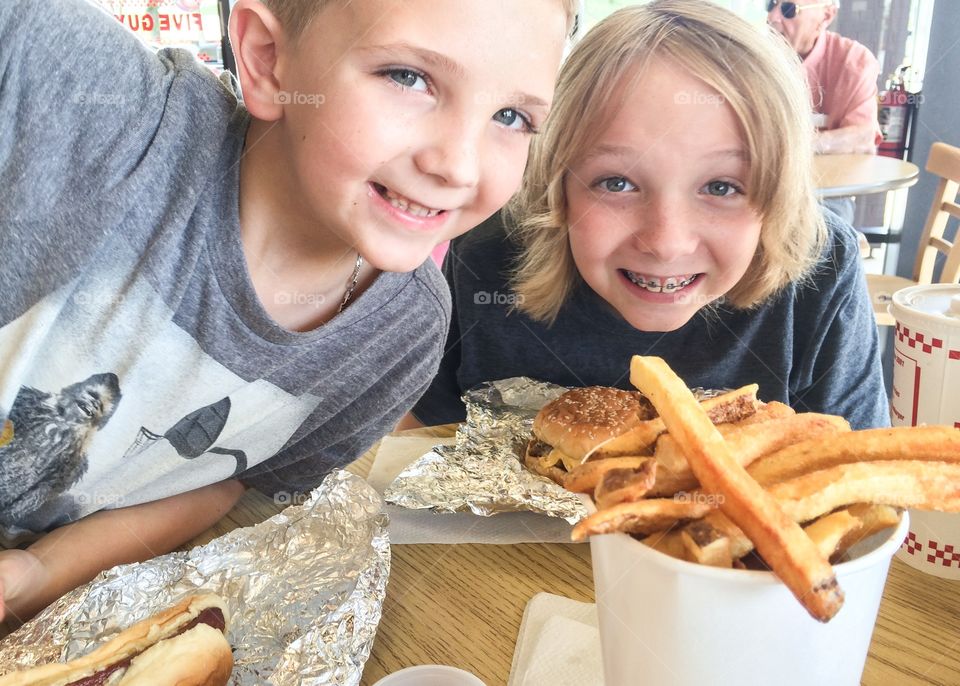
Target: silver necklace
[[353, 283]]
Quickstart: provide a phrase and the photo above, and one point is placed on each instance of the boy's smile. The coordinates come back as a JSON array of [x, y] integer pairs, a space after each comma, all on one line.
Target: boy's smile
[[660, 225], [405, 123]]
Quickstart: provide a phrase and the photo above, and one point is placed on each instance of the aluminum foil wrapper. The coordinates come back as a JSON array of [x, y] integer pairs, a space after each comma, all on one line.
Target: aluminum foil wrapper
[[483, 473], [305, 591]]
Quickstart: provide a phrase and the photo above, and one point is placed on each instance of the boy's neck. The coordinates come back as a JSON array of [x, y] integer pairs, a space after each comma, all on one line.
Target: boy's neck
[[299, 269]]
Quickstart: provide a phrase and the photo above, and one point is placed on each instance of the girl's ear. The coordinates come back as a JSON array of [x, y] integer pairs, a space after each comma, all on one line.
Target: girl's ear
[[257, 38]]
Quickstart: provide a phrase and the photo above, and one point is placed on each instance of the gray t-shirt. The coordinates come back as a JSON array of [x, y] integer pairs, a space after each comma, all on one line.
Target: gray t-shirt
[[813, 346], [136, 361]]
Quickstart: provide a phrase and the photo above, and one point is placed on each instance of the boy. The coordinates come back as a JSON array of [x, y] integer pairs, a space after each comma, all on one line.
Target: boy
[[201, 295]]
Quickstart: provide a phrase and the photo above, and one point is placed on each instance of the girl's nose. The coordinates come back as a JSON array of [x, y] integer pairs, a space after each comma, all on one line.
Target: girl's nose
[[664, 231]]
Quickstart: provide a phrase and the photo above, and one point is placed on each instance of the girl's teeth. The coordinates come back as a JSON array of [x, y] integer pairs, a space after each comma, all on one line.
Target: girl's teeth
[[654, 284], [410, 207]]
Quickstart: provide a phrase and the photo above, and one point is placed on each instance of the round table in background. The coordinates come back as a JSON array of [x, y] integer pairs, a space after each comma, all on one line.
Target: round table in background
[[837, 176]]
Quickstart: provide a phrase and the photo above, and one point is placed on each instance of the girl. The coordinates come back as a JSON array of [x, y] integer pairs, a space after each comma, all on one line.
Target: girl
[[668, 209]]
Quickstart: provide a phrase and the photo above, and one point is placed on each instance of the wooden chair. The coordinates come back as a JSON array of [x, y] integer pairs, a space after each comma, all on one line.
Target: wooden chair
[[944, 162]]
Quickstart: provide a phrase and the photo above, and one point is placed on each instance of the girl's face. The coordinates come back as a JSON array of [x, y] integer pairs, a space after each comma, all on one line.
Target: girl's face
[[659, 220]]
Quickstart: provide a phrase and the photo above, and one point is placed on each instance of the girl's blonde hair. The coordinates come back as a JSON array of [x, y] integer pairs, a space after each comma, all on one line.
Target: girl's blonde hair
[[757, 75], [296, 15]]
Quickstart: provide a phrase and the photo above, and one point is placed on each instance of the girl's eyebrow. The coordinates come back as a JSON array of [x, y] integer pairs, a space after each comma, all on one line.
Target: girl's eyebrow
[[444, 62], [611, 149], [629, 151]]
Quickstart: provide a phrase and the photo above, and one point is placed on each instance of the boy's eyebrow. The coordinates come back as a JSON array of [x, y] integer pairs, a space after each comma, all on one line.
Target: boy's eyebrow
[[438, 59]]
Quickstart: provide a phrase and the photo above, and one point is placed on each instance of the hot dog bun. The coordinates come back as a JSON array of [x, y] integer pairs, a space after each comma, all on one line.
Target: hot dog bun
[[161, 650]]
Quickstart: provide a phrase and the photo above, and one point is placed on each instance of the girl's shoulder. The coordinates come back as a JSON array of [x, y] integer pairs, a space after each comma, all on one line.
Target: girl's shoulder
[[489, 249]]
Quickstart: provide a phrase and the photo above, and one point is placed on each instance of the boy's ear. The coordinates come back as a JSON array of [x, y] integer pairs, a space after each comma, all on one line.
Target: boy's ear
[[257, 38]]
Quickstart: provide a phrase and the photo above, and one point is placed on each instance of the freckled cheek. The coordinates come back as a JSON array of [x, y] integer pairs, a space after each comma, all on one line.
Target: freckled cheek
[[501, 175]]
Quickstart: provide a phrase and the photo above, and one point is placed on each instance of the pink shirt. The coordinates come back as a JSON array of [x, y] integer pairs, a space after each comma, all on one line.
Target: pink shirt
[[842, 75]]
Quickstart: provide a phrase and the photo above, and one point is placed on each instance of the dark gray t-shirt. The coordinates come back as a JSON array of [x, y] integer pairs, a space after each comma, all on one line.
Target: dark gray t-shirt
[[813, 346], [136, 361]]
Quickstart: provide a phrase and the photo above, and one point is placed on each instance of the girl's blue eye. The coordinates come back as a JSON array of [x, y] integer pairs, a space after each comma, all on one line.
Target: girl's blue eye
[[616, 184], [513, 119], [721, 189], [407, 78]]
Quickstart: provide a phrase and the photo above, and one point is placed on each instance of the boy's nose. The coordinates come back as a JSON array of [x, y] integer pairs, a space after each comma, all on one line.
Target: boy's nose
[[452, 156]]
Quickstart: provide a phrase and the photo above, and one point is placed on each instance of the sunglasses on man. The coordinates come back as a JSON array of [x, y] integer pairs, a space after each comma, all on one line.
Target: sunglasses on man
[[789, 9]]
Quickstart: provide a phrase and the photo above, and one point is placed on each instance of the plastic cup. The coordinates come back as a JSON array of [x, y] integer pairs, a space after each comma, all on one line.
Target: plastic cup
[[665, 621], [430, 675], [926, 390]]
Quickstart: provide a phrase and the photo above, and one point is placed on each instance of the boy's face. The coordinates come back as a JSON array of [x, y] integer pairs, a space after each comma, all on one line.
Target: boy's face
[[407, 122], [659, 220]]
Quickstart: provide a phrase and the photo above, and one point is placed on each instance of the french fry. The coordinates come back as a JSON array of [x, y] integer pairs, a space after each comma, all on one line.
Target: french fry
[[920, 485], [782, 543], [904, 483], [726, 407], [767, 412], [828, 531], [667, 542], [747, 443], [536, 466], [873, 518], [705, 545], [624, 485], [937, 443], [641, 517], [585, 477]]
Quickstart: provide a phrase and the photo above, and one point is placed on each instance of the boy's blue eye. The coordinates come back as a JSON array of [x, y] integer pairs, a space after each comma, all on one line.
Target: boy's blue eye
[[407, 78], [721, 189], [513, 119], [616, 184]]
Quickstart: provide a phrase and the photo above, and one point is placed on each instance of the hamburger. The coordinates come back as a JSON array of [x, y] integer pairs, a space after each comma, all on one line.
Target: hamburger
[[183, 645], [598, 422]]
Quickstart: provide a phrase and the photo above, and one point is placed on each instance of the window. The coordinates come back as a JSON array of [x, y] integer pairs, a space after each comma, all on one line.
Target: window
[[190, 24]]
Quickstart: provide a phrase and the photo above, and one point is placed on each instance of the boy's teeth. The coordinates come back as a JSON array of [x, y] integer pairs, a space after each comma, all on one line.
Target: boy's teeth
[[655, 285], [409, 207]]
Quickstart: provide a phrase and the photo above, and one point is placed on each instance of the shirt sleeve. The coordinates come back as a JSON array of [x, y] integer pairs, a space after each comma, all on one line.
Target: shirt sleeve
[[842, 368], [80, 102], [859, 85]]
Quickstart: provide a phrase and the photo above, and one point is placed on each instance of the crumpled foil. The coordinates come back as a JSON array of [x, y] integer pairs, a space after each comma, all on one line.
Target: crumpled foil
[[305, 591], [483, 473]]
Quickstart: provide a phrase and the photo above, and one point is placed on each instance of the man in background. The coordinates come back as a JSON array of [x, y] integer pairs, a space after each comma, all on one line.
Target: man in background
[[842, 76]]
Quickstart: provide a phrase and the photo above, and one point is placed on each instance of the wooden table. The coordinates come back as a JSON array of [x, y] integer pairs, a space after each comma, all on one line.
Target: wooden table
[[838, 176], [462, 605]]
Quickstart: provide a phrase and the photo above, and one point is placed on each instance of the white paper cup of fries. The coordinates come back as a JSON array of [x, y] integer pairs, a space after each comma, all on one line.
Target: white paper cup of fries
[[926, 376], [666, 621]]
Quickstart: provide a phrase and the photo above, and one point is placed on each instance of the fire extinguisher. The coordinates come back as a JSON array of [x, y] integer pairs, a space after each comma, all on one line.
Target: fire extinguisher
[[896, 111]]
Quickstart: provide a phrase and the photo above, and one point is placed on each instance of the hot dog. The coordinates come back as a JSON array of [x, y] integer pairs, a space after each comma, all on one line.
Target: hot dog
[[183, 646]]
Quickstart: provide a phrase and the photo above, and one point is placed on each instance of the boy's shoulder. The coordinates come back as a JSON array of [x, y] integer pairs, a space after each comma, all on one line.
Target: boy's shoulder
[[428, 278]]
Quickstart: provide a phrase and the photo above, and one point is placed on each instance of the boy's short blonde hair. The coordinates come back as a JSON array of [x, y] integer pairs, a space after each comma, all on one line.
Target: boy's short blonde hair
[[296, 15], [757, 75]]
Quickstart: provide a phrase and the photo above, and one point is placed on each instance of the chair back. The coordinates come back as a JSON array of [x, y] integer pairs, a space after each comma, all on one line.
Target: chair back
[[944, 162]]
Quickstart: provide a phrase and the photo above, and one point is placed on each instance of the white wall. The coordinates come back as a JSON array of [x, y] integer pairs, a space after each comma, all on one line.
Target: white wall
[[939, 120]]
